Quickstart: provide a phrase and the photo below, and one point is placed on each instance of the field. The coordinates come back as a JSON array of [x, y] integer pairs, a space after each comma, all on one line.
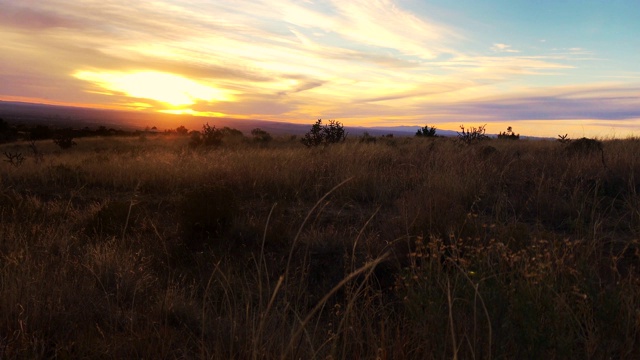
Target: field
[[406, 248]]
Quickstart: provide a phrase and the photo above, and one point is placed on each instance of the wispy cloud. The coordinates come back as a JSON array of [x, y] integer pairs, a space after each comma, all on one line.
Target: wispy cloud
[[503, 48]]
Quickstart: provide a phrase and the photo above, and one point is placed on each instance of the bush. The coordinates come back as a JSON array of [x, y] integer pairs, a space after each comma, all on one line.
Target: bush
[[472, 134], [509, 135], [210, 137], [64, 142], [426, 131], [231, 132], [181, 130], [260, 135], [324, 134]]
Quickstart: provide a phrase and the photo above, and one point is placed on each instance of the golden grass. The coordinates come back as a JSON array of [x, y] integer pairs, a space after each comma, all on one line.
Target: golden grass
[[407, 248]]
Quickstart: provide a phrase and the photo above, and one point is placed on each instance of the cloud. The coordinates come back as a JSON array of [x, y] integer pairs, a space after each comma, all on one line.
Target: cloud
[[366, 60], [606, 102], [503, 48]]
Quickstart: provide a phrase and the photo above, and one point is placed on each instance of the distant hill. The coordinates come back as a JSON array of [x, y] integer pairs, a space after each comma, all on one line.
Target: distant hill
[[67, 116]]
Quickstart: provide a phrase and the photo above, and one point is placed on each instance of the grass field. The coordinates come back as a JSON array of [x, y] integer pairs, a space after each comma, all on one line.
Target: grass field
[[407, 248]]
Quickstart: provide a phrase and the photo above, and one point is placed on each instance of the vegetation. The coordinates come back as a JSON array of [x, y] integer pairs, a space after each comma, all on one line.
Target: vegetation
[[124, 248], [261, 136], [472, 135], [509, 135], [367, 138], [426, 131], [319, 134]]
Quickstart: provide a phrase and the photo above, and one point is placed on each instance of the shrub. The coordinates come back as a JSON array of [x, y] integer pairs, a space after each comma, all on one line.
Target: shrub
[[231, 132], [64, 142], [426, 131], [509, 135], [586, 146], [210, 137], [334, 132], [472, 134], [260, 135], [324, 134], [181, 130]]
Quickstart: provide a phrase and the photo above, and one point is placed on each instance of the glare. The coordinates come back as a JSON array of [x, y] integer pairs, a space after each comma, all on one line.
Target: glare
[[167, 88]]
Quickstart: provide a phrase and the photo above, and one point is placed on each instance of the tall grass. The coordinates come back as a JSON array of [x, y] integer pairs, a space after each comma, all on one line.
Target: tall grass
[[410, 248]]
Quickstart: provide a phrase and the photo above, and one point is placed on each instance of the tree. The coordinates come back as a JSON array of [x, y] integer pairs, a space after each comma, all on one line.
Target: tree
[[426, 131], [211, 136], [181, 130], [324, 134]]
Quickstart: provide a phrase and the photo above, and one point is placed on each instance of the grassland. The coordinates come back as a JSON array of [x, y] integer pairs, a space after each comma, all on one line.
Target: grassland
[[405, 248]]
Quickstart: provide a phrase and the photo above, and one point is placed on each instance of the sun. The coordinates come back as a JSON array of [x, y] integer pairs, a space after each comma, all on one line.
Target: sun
[[168, 88]]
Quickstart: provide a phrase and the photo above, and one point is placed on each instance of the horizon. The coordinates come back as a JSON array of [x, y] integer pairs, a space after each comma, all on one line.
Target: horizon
[[543, 68]]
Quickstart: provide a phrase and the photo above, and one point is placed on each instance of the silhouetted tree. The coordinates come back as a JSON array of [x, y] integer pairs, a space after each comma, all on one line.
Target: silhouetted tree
[[324, 134], [509, 134], [181, 130], [426, 131]]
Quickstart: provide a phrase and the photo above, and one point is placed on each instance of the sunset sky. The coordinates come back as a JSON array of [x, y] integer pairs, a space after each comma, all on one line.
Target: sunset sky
[[545, 67]]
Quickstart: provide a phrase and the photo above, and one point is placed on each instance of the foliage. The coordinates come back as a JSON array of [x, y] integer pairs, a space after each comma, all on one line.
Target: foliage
[[209, 137], [231, 132], [261, 136], [64, 142], [426, 131], [472, 135], [509, 135], [564, 139], [181, 130], [324, 134]]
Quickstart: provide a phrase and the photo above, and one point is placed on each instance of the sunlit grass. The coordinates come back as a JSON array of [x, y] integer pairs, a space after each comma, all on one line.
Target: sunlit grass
[[426, 249]]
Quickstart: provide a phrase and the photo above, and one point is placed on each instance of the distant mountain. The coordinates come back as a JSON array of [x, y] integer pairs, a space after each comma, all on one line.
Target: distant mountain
[[78, 117]]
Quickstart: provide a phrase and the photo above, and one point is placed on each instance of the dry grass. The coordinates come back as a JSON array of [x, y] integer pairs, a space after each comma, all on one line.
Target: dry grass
[[409, 248]]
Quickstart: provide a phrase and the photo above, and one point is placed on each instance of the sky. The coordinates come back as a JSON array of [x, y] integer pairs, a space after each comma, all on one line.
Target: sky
[[543, 67]]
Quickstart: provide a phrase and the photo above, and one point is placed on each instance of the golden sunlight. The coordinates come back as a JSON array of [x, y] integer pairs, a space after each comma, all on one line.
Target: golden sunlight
[[164, 87]]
